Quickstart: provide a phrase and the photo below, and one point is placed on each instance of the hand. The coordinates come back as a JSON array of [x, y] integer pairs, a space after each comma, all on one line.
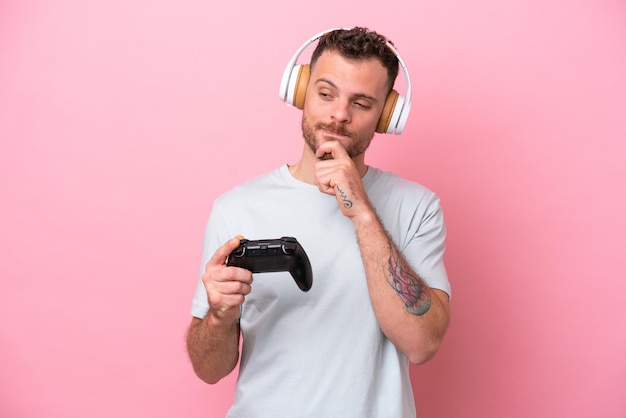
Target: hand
[[340, 177], [226, 286]]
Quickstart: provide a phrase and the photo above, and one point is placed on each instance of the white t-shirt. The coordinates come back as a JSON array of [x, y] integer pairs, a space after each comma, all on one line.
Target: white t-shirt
[[322, 353]]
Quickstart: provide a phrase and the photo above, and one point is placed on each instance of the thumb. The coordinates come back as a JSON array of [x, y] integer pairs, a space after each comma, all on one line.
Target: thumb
[[220, 255]]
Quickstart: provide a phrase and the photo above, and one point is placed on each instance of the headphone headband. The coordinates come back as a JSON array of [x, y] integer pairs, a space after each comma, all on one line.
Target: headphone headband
[[398, 110]]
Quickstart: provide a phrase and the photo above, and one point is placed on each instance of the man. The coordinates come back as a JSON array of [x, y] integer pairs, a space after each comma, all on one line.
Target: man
[[379, 298]]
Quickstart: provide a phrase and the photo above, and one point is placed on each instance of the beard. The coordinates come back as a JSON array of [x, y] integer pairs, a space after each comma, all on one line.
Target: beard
[[310, 132]]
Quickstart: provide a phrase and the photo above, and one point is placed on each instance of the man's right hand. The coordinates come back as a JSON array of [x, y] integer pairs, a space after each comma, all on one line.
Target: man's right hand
[[226, 286]]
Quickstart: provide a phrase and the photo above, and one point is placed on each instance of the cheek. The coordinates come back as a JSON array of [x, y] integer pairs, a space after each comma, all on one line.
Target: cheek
[[313, 107], [367, 125], [372, 125]]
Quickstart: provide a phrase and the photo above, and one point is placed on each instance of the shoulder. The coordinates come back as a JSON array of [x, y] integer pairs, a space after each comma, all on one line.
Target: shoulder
[[252, 188], [382, 184]]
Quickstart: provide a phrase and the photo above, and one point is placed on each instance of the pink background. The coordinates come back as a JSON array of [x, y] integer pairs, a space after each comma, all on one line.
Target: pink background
[[121, 121]]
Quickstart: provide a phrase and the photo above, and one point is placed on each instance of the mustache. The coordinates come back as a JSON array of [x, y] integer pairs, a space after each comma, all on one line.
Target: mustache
[[337, 128]]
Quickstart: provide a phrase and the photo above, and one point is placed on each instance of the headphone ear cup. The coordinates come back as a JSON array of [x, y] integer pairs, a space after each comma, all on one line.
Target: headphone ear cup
[[298, 82], [386, 117], [301, 85]]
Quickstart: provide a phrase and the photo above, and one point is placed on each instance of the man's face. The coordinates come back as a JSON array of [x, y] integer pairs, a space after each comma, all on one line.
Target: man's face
[[344, 100]]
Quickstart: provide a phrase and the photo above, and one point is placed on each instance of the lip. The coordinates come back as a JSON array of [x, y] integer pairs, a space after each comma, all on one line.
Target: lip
[[333, 134]]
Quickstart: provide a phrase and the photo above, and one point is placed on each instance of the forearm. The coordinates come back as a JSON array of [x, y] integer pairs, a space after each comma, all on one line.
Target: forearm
[[213, 348], [412, 315]]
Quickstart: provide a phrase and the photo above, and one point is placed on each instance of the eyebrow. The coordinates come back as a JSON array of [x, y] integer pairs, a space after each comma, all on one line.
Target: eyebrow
[[356, 96]]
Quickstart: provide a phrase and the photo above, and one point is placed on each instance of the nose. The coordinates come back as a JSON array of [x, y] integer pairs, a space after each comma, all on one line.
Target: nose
[[341, 112]]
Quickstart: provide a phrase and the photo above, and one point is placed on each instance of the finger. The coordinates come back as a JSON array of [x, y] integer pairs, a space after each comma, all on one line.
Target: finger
[[220, 255], [239, 274], [226, 281], [236, 288], [324, 180], [334, 148]]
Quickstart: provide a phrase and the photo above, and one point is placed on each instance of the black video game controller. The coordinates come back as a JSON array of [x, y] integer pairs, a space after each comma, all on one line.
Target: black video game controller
[[273, 255]]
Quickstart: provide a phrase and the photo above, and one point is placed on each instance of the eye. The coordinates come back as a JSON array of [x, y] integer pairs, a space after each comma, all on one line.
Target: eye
[[325, 95], [363, 105]]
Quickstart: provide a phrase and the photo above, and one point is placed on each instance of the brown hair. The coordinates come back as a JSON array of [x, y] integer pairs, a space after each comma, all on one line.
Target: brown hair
[[359, 44]]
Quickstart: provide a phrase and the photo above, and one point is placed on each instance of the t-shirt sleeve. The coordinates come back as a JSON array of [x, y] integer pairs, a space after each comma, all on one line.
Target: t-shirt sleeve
[[425, 247]]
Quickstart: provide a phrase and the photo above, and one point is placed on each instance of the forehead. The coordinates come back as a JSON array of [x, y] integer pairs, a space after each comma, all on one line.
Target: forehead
[[366, 76]]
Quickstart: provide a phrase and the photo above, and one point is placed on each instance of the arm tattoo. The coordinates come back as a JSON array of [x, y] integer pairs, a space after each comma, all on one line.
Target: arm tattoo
[[347, 203], [411, 289]]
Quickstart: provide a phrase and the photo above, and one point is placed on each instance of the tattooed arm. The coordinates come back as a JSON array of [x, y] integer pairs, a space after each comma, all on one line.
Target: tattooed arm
[[411, 289], [412, 315]]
